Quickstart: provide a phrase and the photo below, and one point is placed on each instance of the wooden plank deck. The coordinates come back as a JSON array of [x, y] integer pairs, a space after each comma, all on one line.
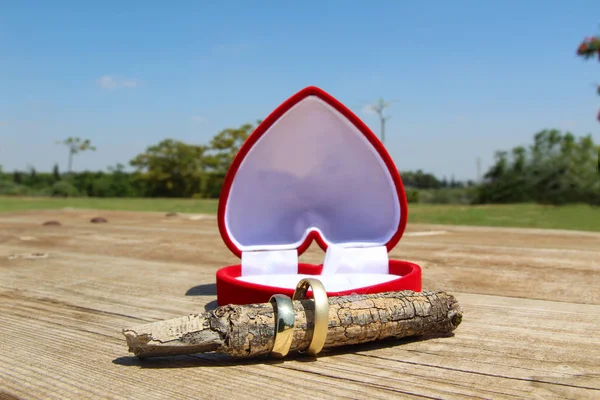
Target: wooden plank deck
[[531, 303]]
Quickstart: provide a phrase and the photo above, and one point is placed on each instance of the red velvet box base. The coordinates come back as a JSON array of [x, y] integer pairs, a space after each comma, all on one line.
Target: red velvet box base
[[234, 291]]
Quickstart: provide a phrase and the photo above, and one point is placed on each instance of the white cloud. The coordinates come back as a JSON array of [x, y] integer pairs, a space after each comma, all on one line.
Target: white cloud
[[198, 118], [112, 82], [234, 48], [368, 109]]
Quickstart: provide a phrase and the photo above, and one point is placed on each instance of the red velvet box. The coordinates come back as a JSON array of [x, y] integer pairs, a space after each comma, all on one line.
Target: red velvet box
[[312, 170]]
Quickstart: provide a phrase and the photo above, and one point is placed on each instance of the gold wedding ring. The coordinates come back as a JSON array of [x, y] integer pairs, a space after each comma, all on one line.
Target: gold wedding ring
[[321, 321], [284, 324]]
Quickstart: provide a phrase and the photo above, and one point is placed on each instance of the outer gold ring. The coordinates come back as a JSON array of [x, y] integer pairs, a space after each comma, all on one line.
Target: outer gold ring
[[321, 323], [284, 324]]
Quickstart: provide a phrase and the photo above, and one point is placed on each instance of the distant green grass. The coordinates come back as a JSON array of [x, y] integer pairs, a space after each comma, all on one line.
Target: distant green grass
[[574, 217], [577, 217], [200, 206]]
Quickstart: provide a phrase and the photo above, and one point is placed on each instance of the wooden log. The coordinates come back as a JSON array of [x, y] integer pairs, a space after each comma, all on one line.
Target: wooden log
[[246, 331]]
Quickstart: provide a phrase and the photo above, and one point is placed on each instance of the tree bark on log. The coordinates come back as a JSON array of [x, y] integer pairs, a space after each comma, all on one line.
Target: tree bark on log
[[248, 330]]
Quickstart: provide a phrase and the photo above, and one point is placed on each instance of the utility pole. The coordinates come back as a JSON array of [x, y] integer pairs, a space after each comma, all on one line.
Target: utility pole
[[378, 108], [478, 170]]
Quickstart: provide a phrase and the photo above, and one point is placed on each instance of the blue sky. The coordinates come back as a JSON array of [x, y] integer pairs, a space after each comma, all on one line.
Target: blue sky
[[466, 77]]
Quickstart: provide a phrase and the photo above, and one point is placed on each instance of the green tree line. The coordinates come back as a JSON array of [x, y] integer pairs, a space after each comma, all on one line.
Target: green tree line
[[557, 168]]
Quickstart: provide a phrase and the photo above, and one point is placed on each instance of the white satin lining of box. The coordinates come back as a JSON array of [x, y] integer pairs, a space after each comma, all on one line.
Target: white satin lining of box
[[343, 268]]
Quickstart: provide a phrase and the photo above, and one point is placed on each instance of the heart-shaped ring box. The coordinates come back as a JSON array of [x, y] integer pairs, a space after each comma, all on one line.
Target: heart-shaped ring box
[[312, 170]]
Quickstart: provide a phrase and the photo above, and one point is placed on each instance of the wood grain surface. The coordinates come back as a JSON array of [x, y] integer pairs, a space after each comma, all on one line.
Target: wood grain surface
[[531, 302]]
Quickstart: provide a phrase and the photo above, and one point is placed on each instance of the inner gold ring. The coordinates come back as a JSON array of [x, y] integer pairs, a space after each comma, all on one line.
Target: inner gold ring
[[284, 324], [321, 322]]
